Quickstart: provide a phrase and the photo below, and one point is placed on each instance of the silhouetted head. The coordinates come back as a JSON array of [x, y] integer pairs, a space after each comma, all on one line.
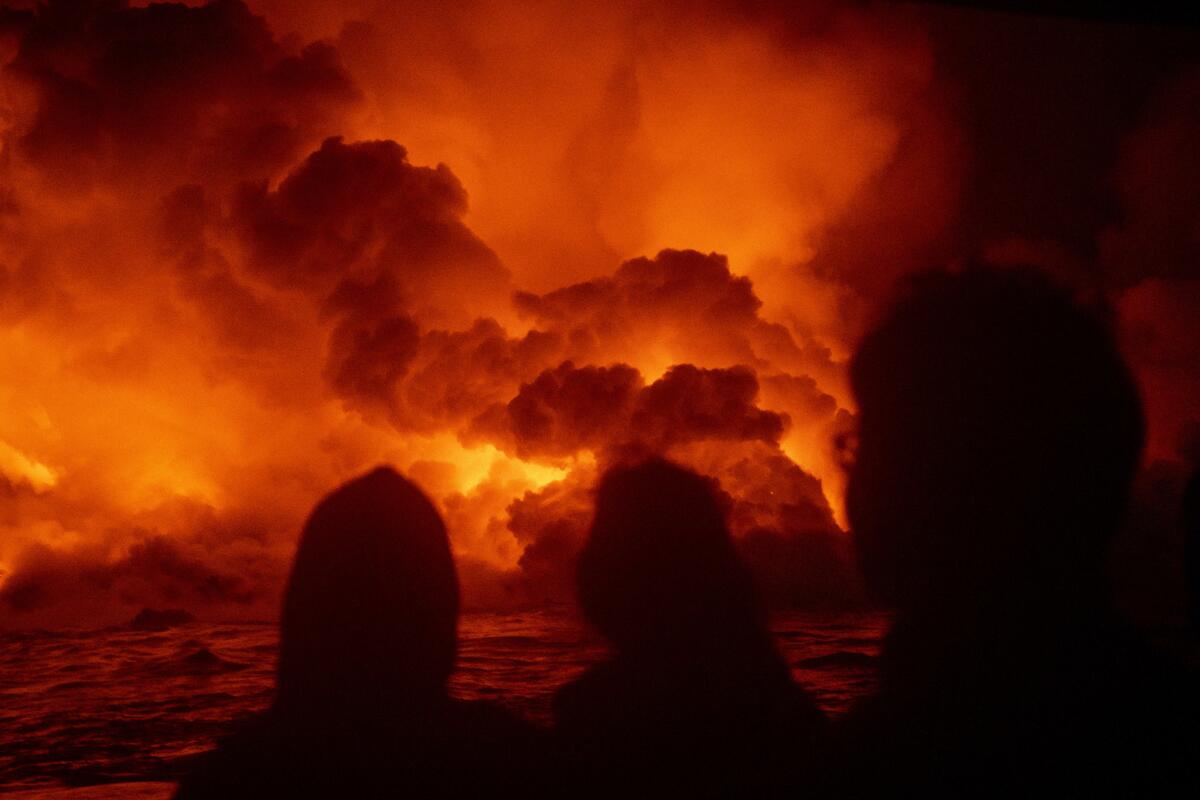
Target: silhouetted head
[[369, 618], [999, 434], [659, 569]]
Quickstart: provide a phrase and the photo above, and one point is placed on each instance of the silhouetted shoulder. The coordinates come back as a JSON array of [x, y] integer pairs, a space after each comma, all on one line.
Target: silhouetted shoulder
[[462, 749], [1110, 718], [486, 723]]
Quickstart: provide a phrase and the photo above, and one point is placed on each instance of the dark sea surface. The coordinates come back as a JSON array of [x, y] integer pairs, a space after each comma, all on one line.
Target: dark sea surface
[[124, 706]]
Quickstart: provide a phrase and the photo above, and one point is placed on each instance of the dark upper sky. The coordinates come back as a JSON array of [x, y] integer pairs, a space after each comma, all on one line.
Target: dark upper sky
[[1046, 102]]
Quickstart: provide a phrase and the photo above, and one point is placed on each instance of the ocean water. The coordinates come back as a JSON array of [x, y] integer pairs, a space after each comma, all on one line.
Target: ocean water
[[118, 706]]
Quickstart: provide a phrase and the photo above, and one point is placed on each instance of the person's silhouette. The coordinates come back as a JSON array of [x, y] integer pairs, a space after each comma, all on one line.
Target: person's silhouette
[[695, 700], [999, 432], [368, 641]]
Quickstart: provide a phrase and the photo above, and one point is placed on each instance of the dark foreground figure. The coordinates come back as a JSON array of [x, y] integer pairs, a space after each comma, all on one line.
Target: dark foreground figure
[[695, 702], [368, 642], [999, 433]]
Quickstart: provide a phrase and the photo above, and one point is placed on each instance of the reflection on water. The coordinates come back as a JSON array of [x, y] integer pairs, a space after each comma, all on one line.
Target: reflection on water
[[94, 707]]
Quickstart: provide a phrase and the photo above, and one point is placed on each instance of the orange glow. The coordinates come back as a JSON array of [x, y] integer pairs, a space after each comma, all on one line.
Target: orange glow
[[214, 312]]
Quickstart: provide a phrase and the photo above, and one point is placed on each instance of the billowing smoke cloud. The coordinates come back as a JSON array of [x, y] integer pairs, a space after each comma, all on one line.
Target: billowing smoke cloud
[[249, 251], [361, 222], [1153, 257], [689, 404], [677, 306], [228, 287], [563, 411], [133, 94], [707, 419]]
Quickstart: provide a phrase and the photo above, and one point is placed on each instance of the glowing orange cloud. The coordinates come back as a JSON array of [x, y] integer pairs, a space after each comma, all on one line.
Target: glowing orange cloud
[[248, 252]]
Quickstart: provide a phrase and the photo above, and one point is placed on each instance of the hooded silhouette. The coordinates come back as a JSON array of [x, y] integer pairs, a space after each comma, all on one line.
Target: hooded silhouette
[[694, 701], [368, 642], [999, 433]]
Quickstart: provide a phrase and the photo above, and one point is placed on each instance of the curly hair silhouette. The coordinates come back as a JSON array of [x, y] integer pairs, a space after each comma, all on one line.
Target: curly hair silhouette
[[695, 701]]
